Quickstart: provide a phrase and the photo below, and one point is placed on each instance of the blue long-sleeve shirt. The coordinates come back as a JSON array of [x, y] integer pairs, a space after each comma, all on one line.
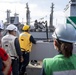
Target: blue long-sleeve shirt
[[32, 39], [17, 46]]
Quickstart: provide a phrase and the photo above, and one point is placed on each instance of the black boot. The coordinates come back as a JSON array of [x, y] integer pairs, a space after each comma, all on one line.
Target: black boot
[[21, 73], [25, 73]]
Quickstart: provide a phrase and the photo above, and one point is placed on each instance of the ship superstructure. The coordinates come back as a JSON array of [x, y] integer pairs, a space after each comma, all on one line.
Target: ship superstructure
[[70, 8]]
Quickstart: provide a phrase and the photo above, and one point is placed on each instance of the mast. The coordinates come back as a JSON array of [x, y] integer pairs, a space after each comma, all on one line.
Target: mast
[[8, 16], [27, 14], [51, 18]]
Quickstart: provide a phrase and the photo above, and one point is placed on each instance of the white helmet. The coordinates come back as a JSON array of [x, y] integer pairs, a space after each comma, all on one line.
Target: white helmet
[[65, 33], [1, 25], [11, 27]]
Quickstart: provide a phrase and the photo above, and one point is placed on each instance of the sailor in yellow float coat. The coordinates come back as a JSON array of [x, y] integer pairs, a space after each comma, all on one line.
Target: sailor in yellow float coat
[[25, 40], [25, 43]]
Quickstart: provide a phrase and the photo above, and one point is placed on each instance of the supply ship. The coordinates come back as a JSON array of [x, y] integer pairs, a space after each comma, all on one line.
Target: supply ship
[[43, 35]]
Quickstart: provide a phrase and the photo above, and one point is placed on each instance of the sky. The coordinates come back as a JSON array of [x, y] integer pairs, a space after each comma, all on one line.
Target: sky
[[38, 9]]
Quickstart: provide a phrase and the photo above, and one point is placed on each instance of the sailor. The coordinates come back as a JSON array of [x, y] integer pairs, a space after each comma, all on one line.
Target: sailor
[[36, 24], [64, 36], [1, 30], [25, 40], [11, 44], [5, 61]]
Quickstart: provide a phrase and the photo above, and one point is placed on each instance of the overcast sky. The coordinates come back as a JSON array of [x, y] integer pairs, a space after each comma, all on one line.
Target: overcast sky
[[38, 9]]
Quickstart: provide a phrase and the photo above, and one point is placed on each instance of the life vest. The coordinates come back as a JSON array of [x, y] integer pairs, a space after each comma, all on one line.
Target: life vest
[[59, 63], [8, 45], [24, 40]]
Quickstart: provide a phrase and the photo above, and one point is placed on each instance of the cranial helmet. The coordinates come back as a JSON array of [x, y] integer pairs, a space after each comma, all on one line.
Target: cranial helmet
[[26, 27], [11, 27], [65, 33]]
